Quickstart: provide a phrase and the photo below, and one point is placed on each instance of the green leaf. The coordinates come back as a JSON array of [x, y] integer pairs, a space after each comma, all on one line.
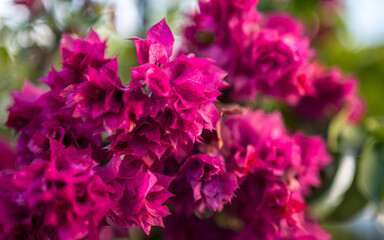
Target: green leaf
[[353, 202], [375, 127], [336, 127], [371, 172]]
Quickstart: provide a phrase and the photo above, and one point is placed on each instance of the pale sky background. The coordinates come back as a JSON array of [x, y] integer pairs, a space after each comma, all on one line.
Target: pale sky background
[[365, 20]]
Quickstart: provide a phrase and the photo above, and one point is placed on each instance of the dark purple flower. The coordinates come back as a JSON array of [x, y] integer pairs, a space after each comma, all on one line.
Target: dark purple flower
[[139, 196], [262, 54], [202, 184], [283, 23], [60, 198], [25, 114], [80, 54], [333, 91], [267, 206], [275, 63], [257, 140], [314, 157]]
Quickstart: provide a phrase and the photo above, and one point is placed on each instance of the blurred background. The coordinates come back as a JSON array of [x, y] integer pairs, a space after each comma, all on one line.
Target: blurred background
[[345, 33]]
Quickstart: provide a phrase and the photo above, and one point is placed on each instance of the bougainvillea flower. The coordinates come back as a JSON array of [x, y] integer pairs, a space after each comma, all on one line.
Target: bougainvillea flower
[[53, 198], [25, 117], [269, 208], [81, 54], [139, 197], [202, 184], [26, 108], [177, 98], [263, 55], [158, 47], [333, 91], [314, 157], [276, 62], [283, 23], [255, 139]]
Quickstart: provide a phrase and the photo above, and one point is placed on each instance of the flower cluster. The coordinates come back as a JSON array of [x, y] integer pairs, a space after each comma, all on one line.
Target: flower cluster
[[333, 91], [268, 54], [176, 99], [53, 199], [95, 156], [202, 184], [255, 140], [92, 150], [274, 171], [279, 168]]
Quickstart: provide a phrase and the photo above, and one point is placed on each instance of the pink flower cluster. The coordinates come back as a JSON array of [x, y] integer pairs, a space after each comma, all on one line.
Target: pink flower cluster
[[268, 54], [255, 140], [93, 149], [95, 156], [333, 91], [274, 170]]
